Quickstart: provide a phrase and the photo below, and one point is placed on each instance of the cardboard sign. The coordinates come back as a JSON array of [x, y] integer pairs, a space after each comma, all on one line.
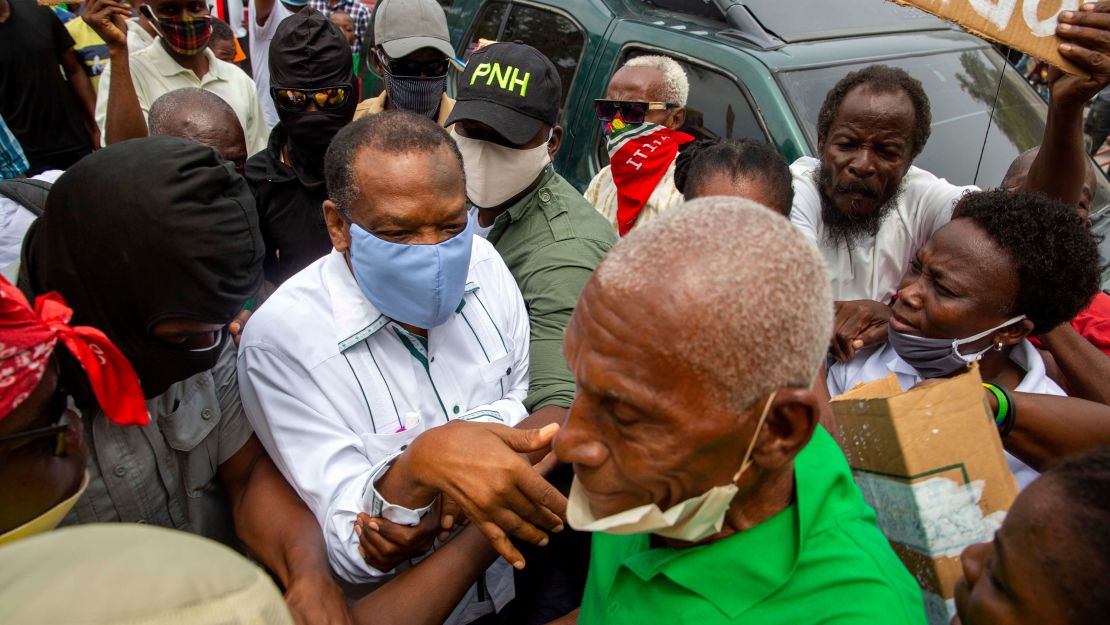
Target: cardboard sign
[[1026, 25], [930, 462]]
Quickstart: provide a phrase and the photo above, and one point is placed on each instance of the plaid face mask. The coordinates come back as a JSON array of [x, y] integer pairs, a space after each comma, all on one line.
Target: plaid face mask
[[184, 35]]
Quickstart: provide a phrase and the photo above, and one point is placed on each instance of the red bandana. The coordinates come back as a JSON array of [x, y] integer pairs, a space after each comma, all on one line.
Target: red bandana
[[28, 338], [639, 157]]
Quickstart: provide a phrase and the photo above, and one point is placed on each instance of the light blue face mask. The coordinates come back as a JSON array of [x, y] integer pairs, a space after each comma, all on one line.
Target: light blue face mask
[[421, 285]]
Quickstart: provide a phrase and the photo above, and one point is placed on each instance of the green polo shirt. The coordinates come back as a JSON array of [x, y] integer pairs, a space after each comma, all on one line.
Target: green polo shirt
[[551, 241], [821, 560]]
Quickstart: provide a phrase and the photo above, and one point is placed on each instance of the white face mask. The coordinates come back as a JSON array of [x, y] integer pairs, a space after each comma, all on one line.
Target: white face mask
[[495, 173], [692, 520]]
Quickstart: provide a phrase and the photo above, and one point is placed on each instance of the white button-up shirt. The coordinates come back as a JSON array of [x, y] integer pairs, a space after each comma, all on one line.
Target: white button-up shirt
[[872, 268], [882, 361], [336, 390]]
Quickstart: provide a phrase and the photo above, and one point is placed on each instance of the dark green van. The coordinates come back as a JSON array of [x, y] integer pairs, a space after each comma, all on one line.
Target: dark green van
[[761, 68]]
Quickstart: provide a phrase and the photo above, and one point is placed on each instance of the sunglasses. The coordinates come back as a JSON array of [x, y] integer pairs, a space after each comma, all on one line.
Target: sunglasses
[[631, 112], [411, 69], [325, 99], [56, 411]]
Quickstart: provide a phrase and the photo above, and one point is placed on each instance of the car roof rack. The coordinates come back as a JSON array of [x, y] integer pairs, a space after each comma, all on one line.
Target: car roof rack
[[771, 24]]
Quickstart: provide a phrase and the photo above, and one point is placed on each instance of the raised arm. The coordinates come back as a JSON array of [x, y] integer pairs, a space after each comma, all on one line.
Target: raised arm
[[118, 113], [260, 11], [1061, 165]]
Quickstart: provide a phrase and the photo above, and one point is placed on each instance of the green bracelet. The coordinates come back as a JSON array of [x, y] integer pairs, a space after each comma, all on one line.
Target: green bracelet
[[1003, 403]]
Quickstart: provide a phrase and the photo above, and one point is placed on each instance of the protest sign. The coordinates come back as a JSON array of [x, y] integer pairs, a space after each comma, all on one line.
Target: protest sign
[[1026, 25], [930, 462]]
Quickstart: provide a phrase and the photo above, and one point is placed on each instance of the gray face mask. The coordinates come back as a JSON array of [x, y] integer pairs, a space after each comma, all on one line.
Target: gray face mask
[[936, 358], [419, 95]]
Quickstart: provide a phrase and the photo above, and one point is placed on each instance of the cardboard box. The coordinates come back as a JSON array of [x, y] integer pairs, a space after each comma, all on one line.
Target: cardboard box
[[1026, 25], [930, 462]]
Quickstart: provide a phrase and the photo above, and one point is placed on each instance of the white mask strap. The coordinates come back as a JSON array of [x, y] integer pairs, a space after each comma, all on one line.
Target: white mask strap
[[971, 339], [758, 426]]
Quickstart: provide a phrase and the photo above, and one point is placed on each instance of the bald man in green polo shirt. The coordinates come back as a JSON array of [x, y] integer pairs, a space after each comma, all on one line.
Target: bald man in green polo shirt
[[714, 494]]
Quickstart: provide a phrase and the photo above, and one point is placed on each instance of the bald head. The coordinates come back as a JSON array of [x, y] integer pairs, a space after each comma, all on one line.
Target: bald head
[[1015, 177], [745, 293], [201, 117]]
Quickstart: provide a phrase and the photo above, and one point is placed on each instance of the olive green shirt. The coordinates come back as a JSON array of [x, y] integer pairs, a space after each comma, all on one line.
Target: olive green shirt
[[821, 560], [551, 241]]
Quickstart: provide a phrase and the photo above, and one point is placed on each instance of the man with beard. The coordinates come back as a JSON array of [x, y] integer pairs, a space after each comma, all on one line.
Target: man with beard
[[312, 84], [869, 209]]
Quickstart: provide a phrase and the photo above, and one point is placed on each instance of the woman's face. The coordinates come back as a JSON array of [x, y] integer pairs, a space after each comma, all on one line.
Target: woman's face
[[1015, 580], [958, 285]]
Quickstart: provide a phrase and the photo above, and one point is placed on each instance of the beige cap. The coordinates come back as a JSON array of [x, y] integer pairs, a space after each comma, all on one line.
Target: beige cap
[[402, 27], [122, 573]]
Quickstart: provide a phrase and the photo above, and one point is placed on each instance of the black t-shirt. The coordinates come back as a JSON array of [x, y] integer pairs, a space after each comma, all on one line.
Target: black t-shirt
[[290, 212], [35, 100]]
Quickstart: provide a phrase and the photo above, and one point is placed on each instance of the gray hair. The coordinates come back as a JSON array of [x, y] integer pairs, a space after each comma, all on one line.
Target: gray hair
[[179, 112], [752, 291], [676, 87]]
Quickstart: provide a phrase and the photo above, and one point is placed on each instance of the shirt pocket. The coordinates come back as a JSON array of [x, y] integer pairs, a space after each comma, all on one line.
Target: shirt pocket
[[382, 444], [188, 431], [498, 368]]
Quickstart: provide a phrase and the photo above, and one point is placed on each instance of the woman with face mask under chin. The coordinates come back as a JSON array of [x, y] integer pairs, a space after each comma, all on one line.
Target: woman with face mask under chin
[[1008, 265]]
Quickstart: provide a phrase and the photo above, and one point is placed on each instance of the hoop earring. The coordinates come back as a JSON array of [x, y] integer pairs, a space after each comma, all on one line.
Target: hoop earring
[[998, 347]]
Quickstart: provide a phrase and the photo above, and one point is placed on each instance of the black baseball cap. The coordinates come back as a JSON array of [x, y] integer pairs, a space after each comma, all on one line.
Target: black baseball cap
[[510, 87]]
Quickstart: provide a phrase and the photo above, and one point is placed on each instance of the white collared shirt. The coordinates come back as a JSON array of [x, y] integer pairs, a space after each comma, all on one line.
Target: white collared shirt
[[336, 390], [881, 362], [872, 268], [155, 73]]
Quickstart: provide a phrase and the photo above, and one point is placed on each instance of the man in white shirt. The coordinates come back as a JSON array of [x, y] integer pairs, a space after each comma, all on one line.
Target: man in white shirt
[[178, 58], [648, 94], [265, 15], [869, 209], [373, 375]]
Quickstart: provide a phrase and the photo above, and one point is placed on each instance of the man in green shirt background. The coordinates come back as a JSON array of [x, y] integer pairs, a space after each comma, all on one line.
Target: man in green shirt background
[[714, 495], [506, 124]]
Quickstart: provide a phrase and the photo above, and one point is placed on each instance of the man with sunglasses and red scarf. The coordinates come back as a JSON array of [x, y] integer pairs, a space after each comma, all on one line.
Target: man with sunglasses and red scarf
[[641, 113], [178, 58], [312, 85], [412, 53]]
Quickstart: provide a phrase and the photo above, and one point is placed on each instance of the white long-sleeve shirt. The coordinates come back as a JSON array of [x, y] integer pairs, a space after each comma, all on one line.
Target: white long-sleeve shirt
[[336, 390]]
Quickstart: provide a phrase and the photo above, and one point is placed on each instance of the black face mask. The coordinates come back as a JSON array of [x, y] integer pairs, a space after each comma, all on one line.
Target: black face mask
[[163, 365], [309, 134], [309, 52], [181, 241]]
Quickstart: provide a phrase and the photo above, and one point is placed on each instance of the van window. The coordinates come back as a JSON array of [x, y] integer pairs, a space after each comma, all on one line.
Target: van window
[[556, 36]]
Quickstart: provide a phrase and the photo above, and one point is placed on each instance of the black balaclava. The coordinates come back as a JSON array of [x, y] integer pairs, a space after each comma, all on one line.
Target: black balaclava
[[147, 230], [309, 52]]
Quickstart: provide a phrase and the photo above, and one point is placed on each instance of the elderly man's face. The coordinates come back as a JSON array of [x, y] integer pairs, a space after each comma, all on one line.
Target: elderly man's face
[[867, 151], [644, 84], [413, 198], [643, 428]]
